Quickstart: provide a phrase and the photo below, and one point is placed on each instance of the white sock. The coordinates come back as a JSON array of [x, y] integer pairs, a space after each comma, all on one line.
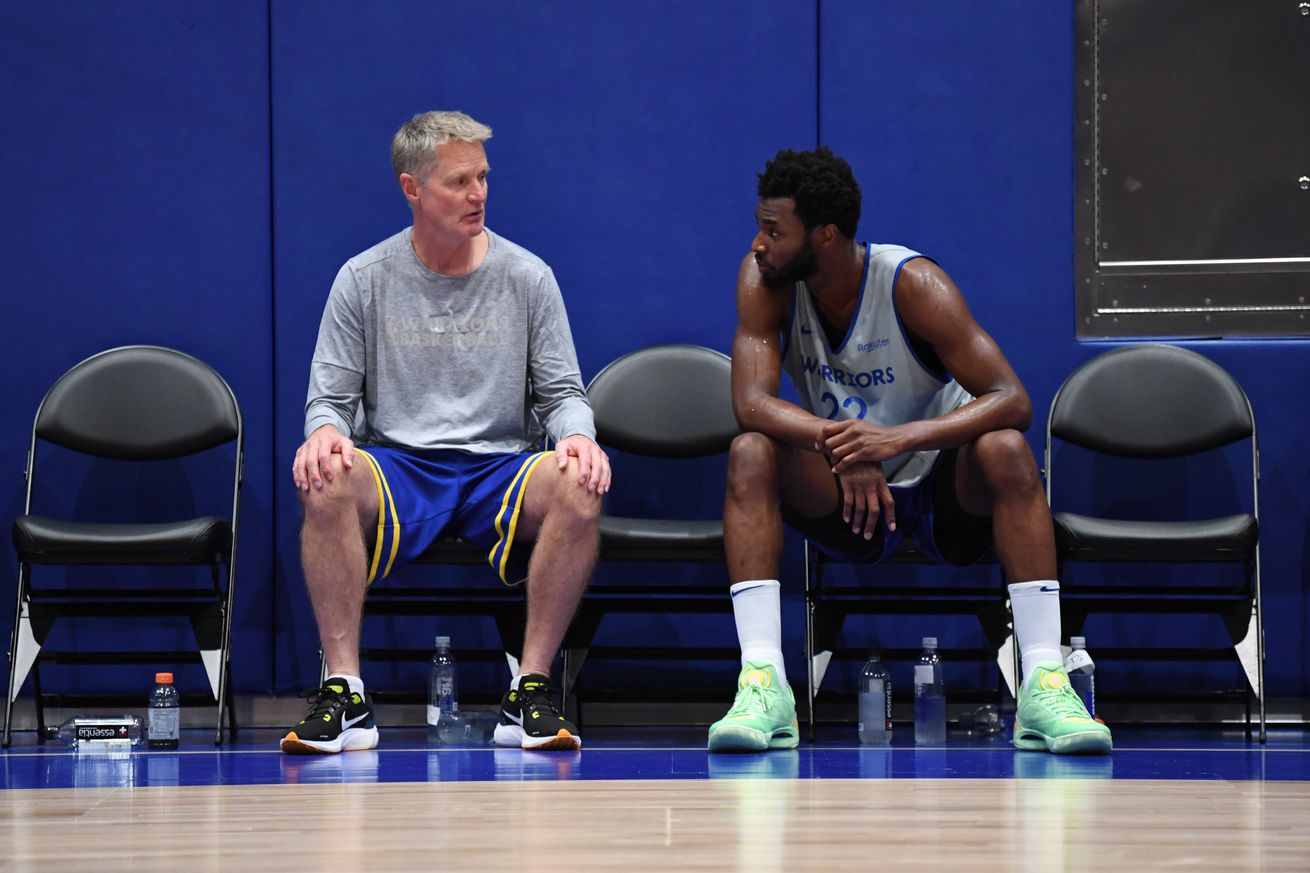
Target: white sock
[[353, 682], [759, 622], [1036, 610]]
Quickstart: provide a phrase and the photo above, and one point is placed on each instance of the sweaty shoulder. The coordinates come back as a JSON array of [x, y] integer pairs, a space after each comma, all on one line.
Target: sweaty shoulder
[[756, 300], [922, 282]]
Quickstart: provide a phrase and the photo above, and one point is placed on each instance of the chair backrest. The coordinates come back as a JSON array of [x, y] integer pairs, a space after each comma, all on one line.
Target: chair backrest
[[668, 401], [1150, 401], [139, 403]]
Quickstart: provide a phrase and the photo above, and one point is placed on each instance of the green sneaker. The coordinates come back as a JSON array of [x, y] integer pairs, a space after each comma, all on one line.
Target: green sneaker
[[762, 717], [1051, 717]]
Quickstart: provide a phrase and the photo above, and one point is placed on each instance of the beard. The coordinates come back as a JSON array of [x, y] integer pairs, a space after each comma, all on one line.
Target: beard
[[798, 269]]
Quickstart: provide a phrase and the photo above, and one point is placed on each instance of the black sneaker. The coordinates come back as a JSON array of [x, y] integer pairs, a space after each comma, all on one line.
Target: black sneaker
[[530, 718], [339, 720]]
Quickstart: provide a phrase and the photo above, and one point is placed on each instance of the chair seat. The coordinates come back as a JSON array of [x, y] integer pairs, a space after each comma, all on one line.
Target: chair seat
[[1081, 537], [41, 540], [659, 534]]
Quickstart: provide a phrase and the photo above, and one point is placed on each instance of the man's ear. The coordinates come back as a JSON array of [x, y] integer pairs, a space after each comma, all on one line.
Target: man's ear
[[824, 235], [409, 186]]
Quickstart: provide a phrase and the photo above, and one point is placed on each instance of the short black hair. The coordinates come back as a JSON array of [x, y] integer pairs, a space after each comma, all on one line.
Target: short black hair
[[821, 183]]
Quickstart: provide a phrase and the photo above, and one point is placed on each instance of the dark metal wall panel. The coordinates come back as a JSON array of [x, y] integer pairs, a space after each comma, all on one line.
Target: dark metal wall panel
[[1193, 165]]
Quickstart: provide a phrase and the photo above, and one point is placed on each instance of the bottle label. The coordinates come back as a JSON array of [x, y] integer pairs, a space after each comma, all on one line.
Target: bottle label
[[434, 715], [1079, 662], [162, 723], [103, 730], [923, 674]]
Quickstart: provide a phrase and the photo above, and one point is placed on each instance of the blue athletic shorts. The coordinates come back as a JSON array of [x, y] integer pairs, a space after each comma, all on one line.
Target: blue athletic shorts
[[928, 513], [424, 494]]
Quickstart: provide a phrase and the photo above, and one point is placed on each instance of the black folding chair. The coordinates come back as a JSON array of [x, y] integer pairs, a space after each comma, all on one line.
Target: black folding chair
[[662, 402], [134, 403], [1157, 402]]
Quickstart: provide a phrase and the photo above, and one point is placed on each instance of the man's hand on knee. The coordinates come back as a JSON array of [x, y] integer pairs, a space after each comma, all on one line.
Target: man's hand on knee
[[313, 462], [593, 464]]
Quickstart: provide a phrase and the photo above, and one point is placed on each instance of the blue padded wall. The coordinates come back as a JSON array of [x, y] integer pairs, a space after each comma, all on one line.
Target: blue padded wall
[[194, 175], [134, 208]]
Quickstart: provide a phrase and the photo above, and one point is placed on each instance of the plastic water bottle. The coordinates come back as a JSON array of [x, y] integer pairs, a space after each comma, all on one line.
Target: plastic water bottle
[[164, 716], [1080, 667], [443, 706], [100, 734], [929, 696], [875, 702]]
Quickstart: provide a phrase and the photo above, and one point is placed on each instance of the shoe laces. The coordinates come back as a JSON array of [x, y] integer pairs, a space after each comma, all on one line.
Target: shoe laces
[[749, 697], [324, 699], [1062, 701], [540, 697]]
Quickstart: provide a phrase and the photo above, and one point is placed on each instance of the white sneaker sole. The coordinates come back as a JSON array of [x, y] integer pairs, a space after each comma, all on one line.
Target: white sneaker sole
[[351, 740], [513, 736]]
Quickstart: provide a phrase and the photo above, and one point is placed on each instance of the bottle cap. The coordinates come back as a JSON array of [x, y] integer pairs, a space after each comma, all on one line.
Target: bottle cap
[[164, 678], [1078, 642], [930, 642], [443, 642]]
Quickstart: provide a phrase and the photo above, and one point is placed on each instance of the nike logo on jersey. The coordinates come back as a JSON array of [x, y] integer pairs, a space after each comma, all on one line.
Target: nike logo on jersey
[[806, 330]]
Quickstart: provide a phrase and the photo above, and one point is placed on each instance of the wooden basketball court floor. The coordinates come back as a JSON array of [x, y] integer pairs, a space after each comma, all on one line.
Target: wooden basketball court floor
[[652, 799]]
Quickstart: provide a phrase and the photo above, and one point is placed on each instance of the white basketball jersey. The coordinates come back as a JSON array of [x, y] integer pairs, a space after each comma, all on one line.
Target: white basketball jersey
[[873, 373]]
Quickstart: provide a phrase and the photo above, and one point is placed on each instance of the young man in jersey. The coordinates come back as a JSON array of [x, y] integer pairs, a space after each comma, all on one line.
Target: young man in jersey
[[910, 423], [444, 350]]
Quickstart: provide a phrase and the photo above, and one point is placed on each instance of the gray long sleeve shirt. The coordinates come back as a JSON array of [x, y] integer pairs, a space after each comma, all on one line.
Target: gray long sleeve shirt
[[409, 357]]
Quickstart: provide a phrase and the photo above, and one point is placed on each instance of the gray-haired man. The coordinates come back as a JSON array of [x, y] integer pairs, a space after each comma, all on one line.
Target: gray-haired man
[[440, 351]]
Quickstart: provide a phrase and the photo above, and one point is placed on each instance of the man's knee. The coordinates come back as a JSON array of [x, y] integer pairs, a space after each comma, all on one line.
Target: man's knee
[[337, 500], [573, 497], [752, 461], [1006, 461]]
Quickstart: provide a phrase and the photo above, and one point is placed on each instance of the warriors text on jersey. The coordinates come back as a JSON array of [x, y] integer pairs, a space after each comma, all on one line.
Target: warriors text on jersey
[[872, 373]]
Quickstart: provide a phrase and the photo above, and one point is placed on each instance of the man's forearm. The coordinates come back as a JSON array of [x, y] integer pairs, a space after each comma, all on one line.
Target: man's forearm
[[990, 412], [774, 417]]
